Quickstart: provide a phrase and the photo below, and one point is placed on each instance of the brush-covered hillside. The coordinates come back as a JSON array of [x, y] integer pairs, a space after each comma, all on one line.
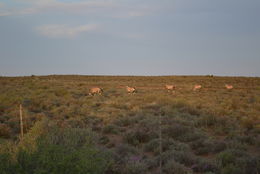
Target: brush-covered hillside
[[212, 130]]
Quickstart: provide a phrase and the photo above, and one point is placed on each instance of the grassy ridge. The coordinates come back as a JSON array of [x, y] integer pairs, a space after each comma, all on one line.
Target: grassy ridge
[[211, 130]]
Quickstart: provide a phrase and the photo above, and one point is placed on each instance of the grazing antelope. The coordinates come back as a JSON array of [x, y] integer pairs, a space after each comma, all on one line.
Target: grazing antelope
[[130, 89], [170, 87], [95, 90], [229, 86], [197, 87]]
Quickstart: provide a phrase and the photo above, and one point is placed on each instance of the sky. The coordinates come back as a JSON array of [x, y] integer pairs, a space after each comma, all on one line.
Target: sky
[[130, 37]]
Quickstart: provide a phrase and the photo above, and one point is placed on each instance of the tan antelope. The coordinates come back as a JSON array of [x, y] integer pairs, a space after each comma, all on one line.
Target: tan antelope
[[229, 86], [130, 89], [170, 87], [197, 87], [95, 90]]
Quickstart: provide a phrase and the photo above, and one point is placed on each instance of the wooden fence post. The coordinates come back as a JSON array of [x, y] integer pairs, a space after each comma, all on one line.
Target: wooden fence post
[[160, 142], [21, 121]]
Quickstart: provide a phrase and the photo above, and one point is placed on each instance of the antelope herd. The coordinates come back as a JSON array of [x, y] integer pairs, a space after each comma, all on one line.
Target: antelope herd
[[131, 90]]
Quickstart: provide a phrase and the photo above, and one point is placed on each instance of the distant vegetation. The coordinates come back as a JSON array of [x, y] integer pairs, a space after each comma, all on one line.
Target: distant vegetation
[[67, 131]]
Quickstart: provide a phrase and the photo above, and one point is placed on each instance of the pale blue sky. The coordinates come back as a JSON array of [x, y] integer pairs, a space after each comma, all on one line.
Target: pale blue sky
[[130, 37]]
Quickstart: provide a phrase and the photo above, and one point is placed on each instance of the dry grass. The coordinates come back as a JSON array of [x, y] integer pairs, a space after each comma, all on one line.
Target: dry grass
[[206, 122]]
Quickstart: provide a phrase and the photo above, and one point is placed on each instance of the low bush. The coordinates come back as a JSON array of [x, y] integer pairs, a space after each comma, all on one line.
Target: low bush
[[218, 146], [6, 164], [103, 140], [175, 131], [134, 167], [60, 92], [124, 121], [153, 145], [202, 146], [172, 167], [152, 162], [110, 129], [137, 137], [167, 144], [186, 158], [207, 120], [191, 136], [5, 131], [203, 165], [124, 151], [242, 139], [14, 124], [57, 150], [235, 144], [248, 123], [236, 161]]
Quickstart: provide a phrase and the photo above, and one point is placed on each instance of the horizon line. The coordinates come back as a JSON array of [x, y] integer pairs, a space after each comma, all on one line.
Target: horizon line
[[114, 75]]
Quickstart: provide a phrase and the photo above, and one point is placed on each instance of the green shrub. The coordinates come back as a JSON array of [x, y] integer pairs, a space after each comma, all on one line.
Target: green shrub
[[5, 131], [124, 151], [207, 120], [136, 167], [189, 109], [103, 140], [202, 146], [179, 146], [110, 129], [204, 165], [137, 137], [60, 92], [235, 144], [248, 123], [218, 146], [167, 144], [131, 139], [6, 164], [152, 162], [231, 169], [231, 161], [14, 124], [125, 121], [152, 146], [176, 130], [172, 167], [49, 148], [57, 159], [186, 158], [226, 158], [191, 136], [247, 139]]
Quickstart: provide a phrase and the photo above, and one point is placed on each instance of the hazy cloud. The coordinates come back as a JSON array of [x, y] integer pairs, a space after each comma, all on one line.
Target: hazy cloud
[[39, 6], [64, 31], [137, 13], [11, 12], [112, 8], [131, 13]]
